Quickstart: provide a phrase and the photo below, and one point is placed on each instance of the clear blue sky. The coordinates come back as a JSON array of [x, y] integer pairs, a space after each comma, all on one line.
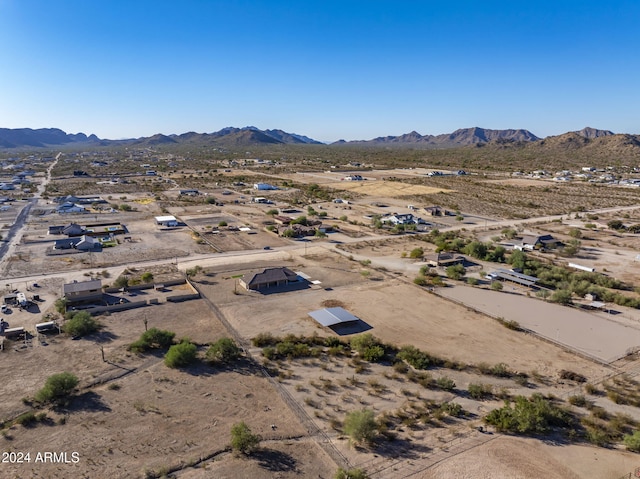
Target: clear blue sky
[[323, 68]]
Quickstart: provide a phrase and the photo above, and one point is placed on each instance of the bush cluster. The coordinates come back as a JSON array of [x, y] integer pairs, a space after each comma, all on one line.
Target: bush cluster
[[81, 324], [534, 415], [154, 338]]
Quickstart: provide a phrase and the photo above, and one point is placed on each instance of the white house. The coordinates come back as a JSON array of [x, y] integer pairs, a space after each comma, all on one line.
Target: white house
[[404, 219]]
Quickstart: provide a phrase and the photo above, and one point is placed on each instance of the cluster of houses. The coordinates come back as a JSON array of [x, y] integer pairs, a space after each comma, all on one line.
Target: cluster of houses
[[609, 175], [77, 204], [18, 179], [308, 228], [86, 238]]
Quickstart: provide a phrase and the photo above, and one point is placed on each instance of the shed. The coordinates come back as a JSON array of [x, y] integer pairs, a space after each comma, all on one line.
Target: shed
[[47, 326], [12, 333], [166, 220], [333, 316]]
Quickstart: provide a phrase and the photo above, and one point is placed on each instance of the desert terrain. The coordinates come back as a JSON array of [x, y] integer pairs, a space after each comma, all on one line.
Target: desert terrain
[[132, 416]]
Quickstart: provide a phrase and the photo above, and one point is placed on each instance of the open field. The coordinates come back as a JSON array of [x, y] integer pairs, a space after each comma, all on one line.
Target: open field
[[389, 189]]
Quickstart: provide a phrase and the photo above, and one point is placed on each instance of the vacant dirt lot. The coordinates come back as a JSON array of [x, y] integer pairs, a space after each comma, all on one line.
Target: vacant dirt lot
[[143, 416], [389, 189]]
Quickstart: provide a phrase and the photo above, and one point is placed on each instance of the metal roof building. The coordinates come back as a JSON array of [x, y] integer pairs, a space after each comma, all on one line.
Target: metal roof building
[[519, 278], [333, 316]]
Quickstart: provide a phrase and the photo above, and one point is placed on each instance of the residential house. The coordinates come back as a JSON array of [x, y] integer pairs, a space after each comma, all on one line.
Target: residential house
[[89, 243], [444, 259], [531, 242], [402, 219], [82, 292], [73, 229], [268, 278]]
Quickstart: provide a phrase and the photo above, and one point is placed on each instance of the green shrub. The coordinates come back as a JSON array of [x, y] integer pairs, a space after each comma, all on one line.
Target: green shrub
[[418, 359], [81, 324], [452, 409], [361, 426], [445, 383], [242, 439], [578, 400], [632, 441], [455, 272], [420, 281], [368, 347], [181, 354], [535, 415], [480, 391], [57, 387], [351, 474], [223, 350], [154, 338], [28, 419]]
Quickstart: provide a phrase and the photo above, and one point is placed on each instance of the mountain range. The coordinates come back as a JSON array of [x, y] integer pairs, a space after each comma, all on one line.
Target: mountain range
[[248, 136]]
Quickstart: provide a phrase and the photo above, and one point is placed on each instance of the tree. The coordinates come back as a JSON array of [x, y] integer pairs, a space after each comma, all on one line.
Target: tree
[[455, 271], [147, 277], [181, 354], [361, 426], [242, 439], [535, 415], [61, 305], [121, 281], [57, 387], [81, 324], [222, 223], [152, 339], [288, 233], [518, 259], [561, 296], [272, 212], [477, 249], [223, 350], [368, 347], [496, 286]]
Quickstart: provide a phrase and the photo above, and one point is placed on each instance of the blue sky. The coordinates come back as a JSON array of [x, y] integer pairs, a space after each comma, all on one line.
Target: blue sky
[[323, 68]]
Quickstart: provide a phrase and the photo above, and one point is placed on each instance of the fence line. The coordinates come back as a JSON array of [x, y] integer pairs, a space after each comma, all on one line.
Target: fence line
[[314, 431]]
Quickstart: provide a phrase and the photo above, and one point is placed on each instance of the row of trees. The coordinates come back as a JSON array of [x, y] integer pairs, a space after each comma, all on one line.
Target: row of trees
[[184, 352]]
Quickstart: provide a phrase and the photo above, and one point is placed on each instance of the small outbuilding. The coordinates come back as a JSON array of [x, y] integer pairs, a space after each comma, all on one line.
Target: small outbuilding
[[333, 316], [166, 221]]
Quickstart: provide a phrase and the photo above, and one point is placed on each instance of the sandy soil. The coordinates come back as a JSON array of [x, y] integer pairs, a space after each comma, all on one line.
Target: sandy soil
[[508, 457], [152, 419], [389, 189]]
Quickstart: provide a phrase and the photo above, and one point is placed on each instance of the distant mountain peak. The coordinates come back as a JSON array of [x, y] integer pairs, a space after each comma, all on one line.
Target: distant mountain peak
[[592, 133], [461, 137]]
